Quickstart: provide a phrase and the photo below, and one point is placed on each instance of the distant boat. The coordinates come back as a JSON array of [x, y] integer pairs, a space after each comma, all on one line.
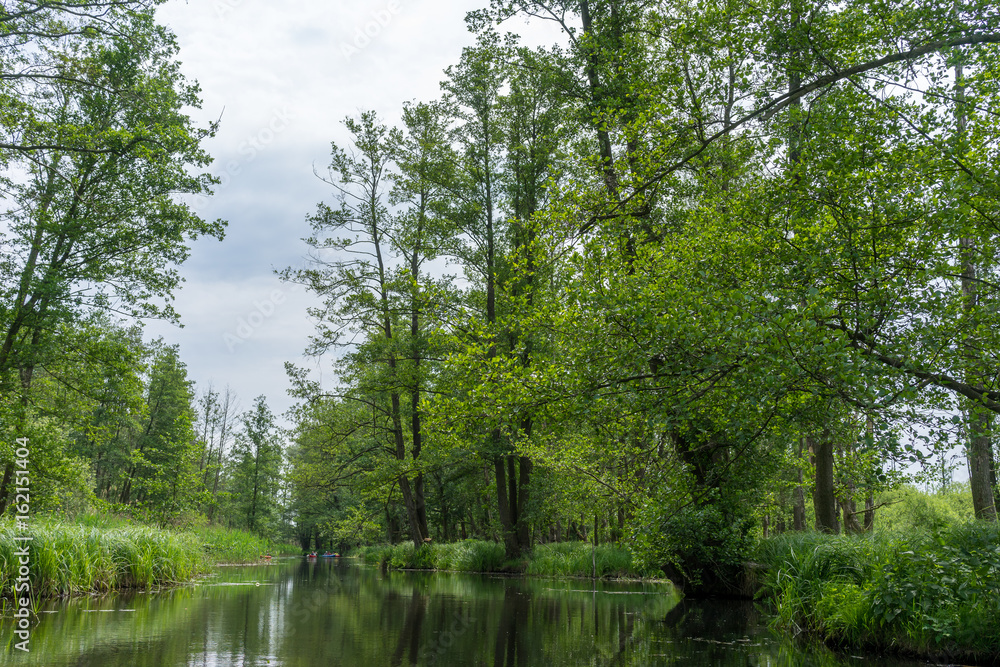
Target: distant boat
[[330, 555]]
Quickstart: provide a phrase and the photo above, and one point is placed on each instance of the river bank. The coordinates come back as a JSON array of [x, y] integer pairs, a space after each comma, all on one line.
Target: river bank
[[294, 611], [933, 595], [926, 595], [562, 559], [99, 555]]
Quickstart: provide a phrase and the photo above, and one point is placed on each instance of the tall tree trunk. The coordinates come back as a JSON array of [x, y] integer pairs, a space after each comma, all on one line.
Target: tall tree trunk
[[227, 406], [8, 472], [869, 512], [513, 478], [799, 493], [597, 100], [26, 374], [522, 524], [849, 509], [409, 501], [416, 433], [504, 505], [980, 421], [996, 484], [824, 498], [980, 454]]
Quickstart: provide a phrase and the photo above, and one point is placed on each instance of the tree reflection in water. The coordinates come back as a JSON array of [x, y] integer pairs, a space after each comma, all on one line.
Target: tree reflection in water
[[337, 613]]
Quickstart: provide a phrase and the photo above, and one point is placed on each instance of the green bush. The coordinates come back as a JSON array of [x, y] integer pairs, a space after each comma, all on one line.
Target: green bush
[[924, 592], [373, 555], [698, 546], [907, 509]]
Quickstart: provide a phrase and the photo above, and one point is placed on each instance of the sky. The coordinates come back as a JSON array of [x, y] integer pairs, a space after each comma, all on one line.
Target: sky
[[281, 77]]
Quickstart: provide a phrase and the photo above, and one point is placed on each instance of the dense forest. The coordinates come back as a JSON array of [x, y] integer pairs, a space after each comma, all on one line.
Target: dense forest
[[701, 272], [697, 274]]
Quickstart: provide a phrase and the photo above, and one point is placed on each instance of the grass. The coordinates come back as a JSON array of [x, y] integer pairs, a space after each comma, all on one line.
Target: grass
[[97, 554], [931, 594], [577, 559], [565, 559], [68, 559], [465, 556], [223, 545]]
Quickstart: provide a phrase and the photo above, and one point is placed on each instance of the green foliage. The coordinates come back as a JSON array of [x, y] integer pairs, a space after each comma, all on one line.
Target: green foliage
[[577, 559], [928, 593], [465, 556], [161, 476], [98, 553], [356, 527], [470, 556], [907, 509], [68, 559], [256, 471], [699, 546], [562, 559], [225, 545], [97, 153], [373, 554]]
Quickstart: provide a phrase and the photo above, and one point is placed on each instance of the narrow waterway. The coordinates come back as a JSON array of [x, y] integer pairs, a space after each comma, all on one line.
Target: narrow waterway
[[338, 613]]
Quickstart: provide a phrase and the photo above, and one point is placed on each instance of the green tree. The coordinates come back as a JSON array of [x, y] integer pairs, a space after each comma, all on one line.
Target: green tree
[[257, 460], [368, 294], [94, 223], [161, 477]]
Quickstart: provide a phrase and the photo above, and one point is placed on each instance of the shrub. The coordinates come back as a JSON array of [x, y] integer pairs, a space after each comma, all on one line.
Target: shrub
[[700, 546], [931, 593], [907, 509]]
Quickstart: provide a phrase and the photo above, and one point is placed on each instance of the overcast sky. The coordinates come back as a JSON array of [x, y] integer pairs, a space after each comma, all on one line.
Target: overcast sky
[[282, 77]]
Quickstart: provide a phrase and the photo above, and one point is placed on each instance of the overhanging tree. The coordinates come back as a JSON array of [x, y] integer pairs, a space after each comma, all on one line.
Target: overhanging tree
[[94, 223]]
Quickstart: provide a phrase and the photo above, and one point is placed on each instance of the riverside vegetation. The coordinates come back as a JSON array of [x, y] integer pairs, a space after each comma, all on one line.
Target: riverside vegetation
[[923, 593], [925, 584], [100, 555], [563, 559]]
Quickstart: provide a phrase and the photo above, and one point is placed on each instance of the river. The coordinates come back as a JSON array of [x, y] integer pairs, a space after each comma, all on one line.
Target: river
[[336, 612]]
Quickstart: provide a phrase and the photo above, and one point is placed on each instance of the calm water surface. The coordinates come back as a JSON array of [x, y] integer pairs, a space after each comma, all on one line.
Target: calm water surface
[[338, 613]]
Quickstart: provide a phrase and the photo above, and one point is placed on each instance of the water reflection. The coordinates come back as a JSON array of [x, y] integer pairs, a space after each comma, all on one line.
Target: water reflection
[[336, 613], [509, 649]]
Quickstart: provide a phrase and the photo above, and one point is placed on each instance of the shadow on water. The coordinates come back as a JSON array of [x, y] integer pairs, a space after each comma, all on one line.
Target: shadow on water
[[337, 613]]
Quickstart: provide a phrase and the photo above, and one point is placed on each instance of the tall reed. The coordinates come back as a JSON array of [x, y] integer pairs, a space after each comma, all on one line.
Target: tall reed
[[580, 559], [66, 559]]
